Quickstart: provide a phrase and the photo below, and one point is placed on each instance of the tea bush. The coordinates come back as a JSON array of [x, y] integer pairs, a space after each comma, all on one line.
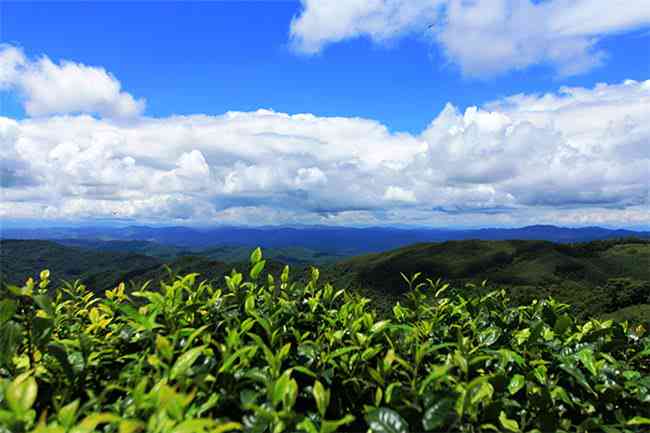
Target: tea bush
[[271, 355]]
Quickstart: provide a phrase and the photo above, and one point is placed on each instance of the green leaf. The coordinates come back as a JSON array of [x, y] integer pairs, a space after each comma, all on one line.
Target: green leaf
[[540, 374], [638, 420], [8, 308], [586, 357], [10, 338], [21, 393], [257, 269], [284, 277], [185, 361], [290, 394], [508, 424], [68, 414], [315, 275], [249, 305], [130, 426], [198, 425], [489, 336], [226, 426], [439, 414], [516, 383], [578, 376], [439, 371], [240, 353], [256, 255], [384, 420], [90, 422], [282, 388], [307, 425], [522, 336], [322, 397], [379, 326], [483, 393], [562, 324], [45, 303], [164, 347], [332, 426], [42, 330]]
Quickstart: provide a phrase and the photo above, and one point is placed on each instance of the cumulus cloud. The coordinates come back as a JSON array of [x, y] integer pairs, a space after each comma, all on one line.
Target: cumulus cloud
[[562, 157], [483, 37], [49, 88], [395, 193]]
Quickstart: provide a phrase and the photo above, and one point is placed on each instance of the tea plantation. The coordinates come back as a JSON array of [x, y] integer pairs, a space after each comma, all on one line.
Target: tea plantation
[[264, 353]]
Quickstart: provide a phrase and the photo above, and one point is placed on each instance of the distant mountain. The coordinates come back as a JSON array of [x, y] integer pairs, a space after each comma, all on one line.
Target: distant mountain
[[153, 249], [223, 253], [343, 241]]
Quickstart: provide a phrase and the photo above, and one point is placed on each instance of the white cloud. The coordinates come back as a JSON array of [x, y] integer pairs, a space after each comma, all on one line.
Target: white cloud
[[395, 193], [524, 158], [323, 22], [48, 88], [483, 37]]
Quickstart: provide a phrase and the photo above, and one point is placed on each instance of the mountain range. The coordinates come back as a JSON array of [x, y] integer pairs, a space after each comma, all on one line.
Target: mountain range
[[342, 241]]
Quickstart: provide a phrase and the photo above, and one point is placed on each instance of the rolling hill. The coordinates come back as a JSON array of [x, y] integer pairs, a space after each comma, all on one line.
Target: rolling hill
[[100, 270], [223, 253], [596, 277], [21, 259]]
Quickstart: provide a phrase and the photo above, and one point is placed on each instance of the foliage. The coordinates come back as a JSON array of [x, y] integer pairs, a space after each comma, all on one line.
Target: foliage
[[267, 354]]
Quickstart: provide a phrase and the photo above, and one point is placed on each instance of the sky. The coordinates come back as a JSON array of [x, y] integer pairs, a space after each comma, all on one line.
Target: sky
[[441, 113]]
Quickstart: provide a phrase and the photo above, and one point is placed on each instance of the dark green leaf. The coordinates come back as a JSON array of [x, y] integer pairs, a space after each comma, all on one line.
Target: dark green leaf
[[440, 414], [385, 420]]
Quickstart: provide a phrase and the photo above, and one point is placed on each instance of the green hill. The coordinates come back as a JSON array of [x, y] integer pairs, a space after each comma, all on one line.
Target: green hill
[[22, 259], [599, 277], [586, 275], [101, 270]]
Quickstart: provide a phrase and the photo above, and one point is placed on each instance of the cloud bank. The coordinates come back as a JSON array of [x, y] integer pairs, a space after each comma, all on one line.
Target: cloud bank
[[576, 156], [482, 37]]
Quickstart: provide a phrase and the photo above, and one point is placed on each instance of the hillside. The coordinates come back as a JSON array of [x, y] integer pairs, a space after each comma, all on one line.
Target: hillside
[[223, 253], [595, 277], [147, 248], [20, 259], [599, 277], [101, 270]]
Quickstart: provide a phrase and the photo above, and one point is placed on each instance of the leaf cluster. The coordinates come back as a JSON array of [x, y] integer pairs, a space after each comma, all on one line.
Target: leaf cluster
[[264, 353]]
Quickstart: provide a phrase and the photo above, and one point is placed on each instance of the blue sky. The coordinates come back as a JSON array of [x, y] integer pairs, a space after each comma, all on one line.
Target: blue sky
[[378, 64], [211, 57]]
